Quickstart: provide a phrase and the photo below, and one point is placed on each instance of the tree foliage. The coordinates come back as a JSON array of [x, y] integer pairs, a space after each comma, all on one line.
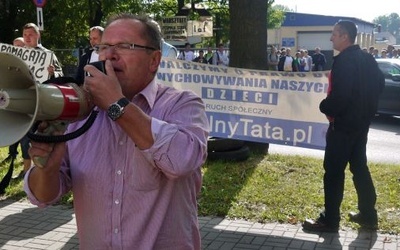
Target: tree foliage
[[390, 23], [66, 23]]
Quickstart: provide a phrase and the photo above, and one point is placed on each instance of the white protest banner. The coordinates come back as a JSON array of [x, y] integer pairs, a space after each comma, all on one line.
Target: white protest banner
[[37, 60], [255, 105]]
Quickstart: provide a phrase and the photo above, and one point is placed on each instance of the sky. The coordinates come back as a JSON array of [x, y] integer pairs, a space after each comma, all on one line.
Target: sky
[[366, 10]]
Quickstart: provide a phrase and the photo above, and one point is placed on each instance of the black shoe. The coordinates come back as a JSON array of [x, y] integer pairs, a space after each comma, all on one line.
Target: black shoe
[[363, 221], [318, 226]]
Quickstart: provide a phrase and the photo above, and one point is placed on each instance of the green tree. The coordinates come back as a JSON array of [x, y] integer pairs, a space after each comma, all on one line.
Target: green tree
[[390, 23], [12, 17], [66, 23], [275, 15]]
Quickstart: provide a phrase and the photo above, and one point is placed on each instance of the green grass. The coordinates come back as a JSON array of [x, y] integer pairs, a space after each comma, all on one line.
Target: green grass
[[274, 188]]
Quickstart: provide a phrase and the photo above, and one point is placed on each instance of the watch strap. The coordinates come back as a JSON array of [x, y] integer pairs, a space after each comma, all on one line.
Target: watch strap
[[123, 102]]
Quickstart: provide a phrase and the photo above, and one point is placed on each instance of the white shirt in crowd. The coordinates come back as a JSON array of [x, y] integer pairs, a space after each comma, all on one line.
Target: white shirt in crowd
[[308, 61], [94, 57], [287, 66], [186, 55], [220, 58]]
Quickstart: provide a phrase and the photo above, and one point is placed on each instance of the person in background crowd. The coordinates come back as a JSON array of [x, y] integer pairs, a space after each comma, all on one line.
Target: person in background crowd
[[19, 42], [90, 54], [273, 59], [307, 61], [200, 58], [209, 55], [297, 61], [319, 60], [219, 57], [395, 54], [278, 53], [186, 54], [302, 61], [389, 51], [384, 54], [287, 62], [31, 35], [135, 174], [355, 83], [375, 53], [371, 50], [167, 49], [281, 61]]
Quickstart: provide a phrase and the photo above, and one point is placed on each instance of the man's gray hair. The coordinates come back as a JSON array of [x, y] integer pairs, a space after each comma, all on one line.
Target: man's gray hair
[[151, 32], [99, 28]]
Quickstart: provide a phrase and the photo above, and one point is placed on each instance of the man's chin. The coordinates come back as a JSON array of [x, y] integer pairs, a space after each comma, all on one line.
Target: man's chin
[[120, 76], [119, 73]]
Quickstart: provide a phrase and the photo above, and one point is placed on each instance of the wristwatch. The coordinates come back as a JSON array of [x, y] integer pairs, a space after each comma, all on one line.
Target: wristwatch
[[116, 109]]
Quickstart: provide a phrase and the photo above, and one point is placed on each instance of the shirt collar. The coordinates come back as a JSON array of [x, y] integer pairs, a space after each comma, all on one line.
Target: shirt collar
[[150, 93]]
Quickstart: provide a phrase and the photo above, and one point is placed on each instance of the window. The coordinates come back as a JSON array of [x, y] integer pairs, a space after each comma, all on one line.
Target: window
[[388, 69]]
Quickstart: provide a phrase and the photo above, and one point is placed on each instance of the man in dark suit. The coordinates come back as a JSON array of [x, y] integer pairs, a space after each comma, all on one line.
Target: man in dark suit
[[95, 34], [355, 83]]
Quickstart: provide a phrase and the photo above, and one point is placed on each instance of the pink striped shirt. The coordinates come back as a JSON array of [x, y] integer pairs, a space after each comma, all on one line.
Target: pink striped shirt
[[127, 198]]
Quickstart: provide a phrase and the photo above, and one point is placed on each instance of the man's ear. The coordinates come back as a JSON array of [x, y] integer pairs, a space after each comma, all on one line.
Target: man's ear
[[155, 60]]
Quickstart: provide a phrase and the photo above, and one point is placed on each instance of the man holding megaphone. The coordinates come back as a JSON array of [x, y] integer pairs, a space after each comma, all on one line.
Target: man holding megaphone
[[136, 173]]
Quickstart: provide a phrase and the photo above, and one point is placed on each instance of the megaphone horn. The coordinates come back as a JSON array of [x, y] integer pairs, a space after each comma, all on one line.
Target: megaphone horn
[[24, 101], [18, 100]]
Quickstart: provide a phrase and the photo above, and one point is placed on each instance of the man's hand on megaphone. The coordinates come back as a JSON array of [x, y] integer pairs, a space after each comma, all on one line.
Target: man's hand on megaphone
[[47, 155], [103, 89]]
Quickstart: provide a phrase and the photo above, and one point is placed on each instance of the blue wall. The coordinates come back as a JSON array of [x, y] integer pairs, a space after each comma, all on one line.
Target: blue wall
[[293, 19]]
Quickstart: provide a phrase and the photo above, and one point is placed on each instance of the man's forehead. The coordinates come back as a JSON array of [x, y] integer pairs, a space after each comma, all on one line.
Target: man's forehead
[[29, 30], [123, 31], [126, 22], [95, 33]]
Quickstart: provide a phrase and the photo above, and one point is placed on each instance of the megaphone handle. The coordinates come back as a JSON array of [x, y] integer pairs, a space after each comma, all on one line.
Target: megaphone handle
[[40, 161], [54, 126]]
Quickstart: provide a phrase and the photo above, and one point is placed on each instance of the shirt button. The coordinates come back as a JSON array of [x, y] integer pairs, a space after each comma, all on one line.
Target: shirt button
[[119, 172], [116, 230], [121, 143], [116, 202]]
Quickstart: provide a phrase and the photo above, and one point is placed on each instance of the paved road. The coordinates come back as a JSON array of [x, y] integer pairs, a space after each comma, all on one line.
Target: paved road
[[24, 226], [382, 147]]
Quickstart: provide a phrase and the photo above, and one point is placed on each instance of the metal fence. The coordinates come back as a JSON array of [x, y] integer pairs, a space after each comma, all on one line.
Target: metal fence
[[69, 58]]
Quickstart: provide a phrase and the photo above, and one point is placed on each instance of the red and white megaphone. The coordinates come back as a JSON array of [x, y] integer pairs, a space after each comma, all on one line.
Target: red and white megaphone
[[24, 101]]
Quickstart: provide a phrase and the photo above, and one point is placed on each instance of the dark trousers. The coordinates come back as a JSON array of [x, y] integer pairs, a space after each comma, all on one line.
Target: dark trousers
[[13, 149], [342, 148]]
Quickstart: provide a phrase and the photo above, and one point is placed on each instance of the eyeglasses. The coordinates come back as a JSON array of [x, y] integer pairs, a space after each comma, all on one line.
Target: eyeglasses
[[100, 48]]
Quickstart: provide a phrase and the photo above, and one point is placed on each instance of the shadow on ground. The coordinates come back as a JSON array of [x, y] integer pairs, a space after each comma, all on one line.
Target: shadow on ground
[[35, 228], [218, 233]]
